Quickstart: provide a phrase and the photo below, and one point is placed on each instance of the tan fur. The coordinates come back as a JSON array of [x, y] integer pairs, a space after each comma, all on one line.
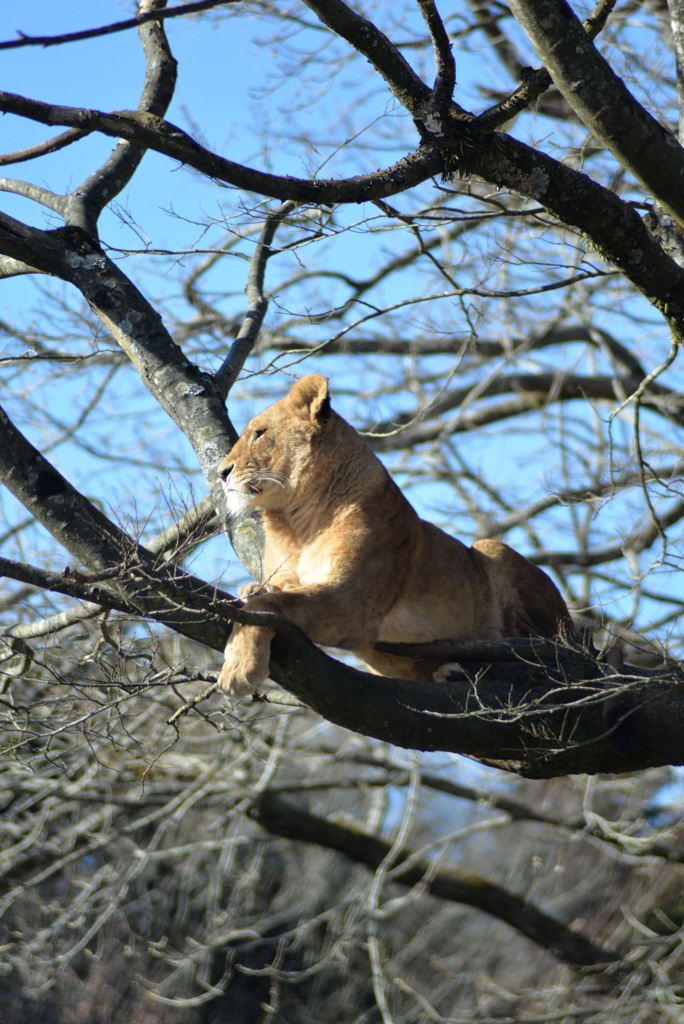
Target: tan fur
[[348, 560]]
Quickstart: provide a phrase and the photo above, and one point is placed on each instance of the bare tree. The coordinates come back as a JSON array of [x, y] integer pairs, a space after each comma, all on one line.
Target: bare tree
[[499, 308]]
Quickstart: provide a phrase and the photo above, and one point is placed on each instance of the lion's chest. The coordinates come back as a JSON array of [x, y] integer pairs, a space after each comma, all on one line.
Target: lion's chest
[[291, 568], [314, 566]]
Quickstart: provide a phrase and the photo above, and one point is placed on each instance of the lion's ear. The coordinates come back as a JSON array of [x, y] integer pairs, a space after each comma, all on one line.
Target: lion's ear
[[309, 397]]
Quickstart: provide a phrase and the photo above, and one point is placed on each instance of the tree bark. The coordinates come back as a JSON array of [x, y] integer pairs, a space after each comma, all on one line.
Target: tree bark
[[553, 711], [603, 102], [283, 818]]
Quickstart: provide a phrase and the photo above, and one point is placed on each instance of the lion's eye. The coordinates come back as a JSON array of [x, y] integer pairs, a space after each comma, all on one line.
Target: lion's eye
[[259, 433]]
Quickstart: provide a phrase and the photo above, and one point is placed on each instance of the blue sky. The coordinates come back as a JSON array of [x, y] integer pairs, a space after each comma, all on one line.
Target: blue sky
[[107, 73]]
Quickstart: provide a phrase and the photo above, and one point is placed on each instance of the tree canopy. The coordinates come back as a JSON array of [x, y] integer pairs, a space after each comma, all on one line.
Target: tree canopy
[[470, 217]]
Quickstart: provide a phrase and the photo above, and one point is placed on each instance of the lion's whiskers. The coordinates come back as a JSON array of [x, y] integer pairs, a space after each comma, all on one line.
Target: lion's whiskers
[[270, 476]]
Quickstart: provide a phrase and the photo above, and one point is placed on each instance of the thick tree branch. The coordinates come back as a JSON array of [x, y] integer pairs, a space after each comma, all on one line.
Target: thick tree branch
[[545, 715], [603, 101], [550, 714], [187, 394], [540, 716], [134, 581], [283, 818], [558, 714], [151, 132], [612, 226], [553, 713]]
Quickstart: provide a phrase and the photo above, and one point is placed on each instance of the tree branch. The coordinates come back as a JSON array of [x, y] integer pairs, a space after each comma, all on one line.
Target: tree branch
[[143, 18], [614, 228], [42, 148], [189, 396], [528, 391], [445, 65], [536, 82], [151, 132], [184, 392], [367, 39], [603, 101], [257, 302], [451, 883], [676, 9], [525, 717], [135, 581], [83, 206], [556, 714], [34, 192]]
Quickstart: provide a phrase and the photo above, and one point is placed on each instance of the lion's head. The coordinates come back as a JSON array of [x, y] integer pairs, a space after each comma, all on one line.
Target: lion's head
[[271, 460]]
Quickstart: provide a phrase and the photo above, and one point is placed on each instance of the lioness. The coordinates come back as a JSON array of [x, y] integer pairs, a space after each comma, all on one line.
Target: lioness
[[348, 560]]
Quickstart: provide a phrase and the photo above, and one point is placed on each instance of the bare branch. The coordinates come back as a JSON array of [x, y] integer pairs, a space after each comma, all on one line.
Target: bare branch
[[367, 39], [143, 18], [529, 391], [536, 82], [85, 203], [257, 303], [151, 132], [42, 148], [541, 717], [614, 227], [283, 818]]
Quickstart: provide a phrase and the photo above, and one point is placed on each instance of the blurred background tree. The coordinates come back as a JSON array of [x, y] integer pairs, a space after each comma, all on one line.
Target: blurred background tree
[[499, 308]]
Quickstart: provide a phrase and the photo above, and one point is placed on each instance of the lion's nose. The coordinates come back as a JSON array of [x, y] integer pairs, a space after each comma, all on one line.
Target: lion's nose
[[225, 469]]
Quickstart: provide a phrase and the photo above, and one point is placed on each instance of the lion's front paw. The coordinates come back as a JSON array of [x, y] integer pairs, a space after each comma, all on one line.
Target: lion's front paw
[[246, 660]]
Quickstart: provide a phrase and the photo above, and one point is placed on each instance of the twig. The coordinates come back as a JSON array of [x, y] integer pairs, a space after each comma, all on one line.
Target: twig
[[191, 703], [117, 26], [257, 302]]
